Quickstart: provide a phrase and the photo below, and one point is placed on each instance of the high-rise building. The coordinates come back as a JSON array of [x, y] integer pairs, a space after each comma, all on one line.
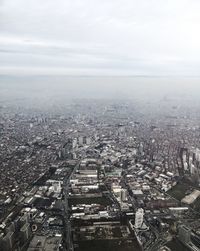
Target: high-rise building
[[80, 140], [139, 216], [184, 234], [25, 233], [7, 241], [123, 194]]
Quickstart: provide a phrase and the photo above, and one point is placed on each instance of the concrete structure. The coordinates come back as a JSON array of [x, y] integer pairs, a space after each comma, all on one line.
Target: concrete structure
[[189, 199], [139, 218]]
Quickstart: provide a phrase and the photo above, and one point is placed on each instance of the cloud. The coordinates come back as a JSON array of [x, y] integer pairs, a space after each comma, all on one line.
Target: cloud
[[113, 37]]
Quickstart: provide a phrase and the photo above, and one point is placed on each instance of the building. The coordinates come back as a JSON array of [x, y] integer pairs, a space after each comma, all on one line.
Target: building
[[25, 233], [184, 234], [188, 238], [7, 241], [139, 216], [123, 195]]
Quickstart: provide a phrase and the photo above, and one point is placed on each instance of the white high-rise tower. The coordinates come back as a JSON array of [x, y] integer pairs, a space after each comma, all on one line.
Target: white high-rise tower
[[139, 215]]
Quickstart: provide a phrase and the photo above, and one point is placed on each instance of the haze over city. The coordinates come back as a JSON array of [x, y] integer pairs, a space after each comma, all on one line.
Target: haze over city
[[99, 125]]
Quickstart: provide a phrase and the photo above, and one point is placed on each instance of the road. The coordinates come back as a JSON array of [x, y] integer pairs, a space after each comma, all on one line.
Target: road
[[66, 186]]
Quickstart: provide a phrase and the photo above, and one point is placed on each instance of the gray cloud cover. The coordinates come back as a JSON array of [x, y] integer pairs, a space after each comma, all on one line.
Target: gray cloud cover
[[100, 37]]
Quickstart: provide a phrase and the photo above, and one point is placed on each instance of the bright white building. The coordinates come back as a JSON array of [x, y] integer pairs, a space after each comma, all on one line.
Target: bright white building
[[139, 216]]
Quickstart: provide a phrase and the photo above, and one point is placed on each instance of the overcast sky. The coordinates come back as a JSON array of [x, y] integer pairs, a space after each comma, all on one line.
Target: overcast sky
[[100, 37]]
